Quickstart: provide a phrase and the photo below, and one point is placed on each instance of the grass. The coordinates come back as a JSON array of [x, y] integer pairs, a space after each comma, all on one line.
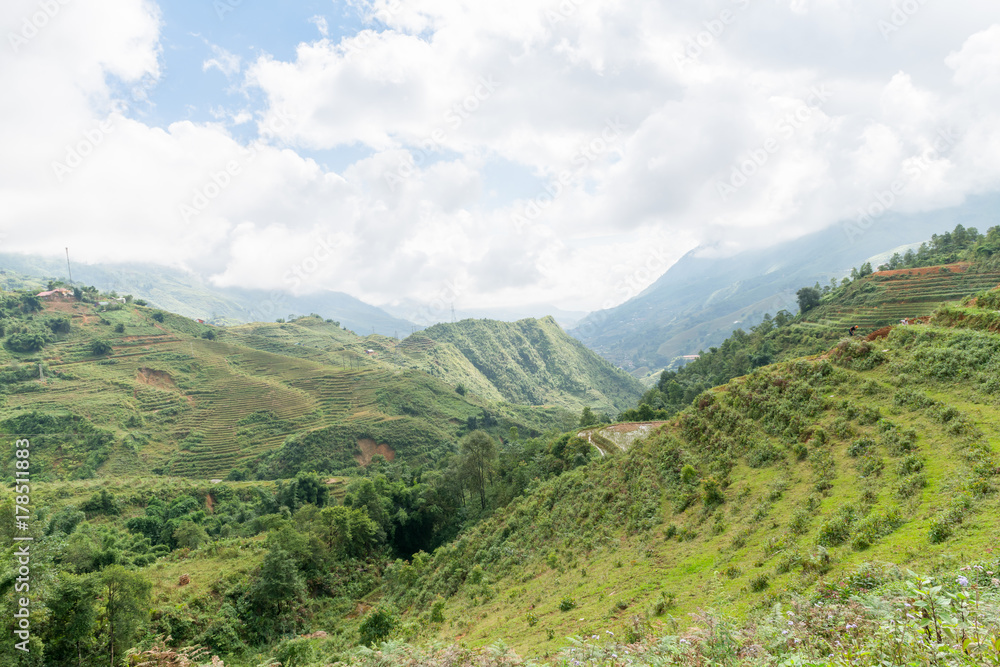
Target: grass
[[174, 400], [594, 520]]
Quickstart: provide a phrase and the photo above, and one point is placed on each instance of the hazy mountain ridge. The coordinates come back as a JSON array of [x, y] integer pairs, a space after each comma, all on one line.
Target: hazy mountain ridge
[[189, 295], [678, 315]]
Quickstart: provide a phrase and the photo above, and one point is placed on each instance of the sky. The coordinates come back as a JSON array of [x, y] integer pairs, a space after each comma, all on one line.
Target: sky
[[564, 152]]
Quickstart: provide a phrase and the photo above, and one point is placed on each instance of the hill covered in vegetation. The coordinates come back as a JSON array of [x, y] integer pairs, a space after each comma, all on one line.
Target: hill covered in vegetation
[[830, 507], [534, 362], [121, 387], [907, 287]]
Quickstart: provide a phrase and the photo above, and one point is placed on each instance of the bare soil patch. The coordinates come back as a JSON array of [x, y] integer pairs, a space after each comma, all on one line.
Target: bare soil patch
[[959, 267], [155, 378], [370, 448], [878, 333], [632, 426]]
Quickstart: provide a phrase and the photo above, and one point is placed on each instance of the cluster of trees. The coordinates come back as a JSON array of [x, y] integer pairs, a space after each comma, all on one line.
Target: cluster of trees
[[737, 355], [315, 548]]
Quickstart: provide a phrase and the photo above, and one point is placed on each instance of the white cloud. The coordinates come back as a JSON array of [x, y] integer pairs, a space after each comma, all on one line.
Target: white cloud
[[321, 25], [222, 60], [642, 146]]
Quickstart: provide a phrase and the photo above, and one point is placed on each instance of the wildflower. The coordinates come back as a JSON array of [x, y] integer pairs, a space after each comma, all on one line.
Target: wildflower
[[962, 581], [610, 633], [784, 632], [791, 622], [911, 616]]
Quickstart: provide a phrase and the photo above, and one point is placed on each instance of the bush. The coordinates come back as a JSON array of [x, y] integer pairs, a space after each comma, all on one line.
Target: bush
[[377, 626], [119, 328], [100, 347], [567, 603], [25, 342], [759, 583], [158, 316]]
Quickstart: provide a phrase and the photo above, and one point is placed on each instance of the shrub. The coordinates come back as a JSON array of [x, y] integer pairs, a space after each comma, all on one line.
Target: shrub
[[759, 583], [799, 522], [119, 328], [567, 603], [712, 492], [861, 446], [158, 316], [377, 626], [100, 347]]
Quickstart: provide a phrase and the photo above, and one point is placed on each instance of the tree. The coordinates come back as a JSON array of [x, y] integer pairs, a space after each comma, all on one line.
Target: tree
[[478, 453], [865, 270], [587, 417], [126, 608], [100, 347], [377, 626], [74, 614], [189, 535], [809, 298], [30, 303]]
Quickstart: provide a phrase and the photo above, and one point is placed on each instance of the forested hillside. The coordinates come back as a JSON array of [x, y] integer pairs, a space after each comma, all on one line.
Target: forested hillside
[[907, 287], [533, 362]]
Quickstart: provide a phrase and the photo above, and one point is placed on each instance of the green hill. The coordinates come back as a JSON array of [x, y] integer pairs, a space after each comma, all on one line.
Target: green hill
[[531, 362], [177, 397], [771, 487]]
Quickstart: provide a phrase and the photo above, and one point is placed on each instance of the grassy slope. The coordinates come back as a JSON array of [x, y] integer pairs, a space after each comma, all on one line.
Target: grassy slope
[[613, 537], [180, 404], [534, 362]]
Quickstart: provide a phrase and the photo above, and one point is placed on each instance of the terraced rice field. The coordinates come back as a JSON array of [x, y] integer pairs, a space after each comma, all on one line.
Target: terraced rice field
[[193, 397], [912, 295]]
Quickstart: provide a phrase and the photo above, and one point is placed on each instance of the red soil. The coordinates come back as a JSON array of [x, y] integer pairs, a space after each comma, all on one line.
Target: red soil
[[369, 449], [959, 267]]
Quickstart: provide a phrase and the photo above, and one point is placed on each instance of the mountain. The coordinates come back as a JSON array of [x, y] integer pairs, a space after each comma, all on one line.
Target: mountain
[[701, 299], [189, 295], [802, 483], [427, 314], [267, 399], [777, 515], [532, 362]]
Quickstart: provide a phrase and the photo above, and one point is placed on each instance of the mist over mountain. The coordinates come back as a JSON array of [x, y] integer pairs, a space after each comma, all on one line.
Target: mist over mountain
[[701, 299], [190, 295]]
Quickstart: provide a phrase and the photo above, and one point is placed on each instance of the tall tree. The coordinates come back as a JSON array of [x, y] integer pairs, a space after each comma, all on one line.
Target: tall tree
[[126, 608], [74, 614], [809, 298], [479, 454]]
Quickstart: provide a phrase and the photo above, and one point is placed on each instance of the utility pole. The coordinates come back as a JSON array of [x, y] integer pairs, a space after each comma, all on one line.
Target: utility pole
[[452, 312], [68, 267]]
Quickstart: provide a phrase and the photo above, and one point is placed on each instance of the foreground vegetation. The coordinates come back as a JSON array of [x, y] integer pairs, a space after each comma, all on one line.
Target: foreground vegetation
[[834, 509]]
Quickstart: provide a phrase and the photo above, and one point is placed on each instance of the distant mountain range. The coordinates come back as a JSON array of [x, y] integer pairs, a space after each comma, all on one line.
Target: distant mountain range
[[189, 295], [701, 299]]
